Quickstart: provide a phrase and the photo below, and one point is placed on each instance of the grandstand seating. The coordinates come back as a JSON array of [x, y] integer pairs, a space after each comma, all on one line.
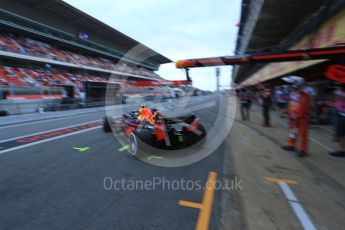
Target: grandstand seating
[[38, 77], [32, 47], [8, 77]]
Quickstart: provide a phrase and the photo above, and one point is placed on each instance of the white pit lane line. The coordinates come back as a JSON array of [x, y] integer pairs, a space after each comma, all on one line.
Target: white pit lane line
[[296, 206], [50, 139], [31, 122], [46, 120], [46, 131]]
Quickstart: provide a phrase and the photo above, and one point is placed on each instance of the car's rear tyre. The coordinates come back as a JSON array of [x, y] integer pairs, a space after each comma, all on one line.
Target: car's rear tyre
[[202, 139], [106, 125], [202, 130], [196, 138]]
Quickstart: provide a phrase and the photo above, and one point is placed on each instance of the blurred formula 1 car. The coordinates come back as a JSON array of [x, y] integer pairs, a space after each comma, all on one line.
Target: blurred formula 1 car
[[147, 127]]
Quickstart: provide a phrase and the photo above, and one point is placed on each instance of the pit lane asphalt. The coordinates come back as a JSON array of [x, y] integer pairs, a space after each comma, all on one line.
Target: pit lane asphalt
[[52, 186]]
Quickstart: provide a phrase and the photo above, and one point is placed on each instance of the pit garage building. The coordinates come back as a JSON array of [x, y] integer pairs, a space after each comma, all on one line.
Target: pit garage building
[[277, 25]]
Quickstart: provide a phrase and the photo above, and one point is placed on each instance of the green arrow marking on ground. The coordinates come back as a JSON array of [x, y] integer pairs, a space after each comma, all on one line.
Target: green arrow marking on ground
[[81, 149], [123, 148], [154, 157]]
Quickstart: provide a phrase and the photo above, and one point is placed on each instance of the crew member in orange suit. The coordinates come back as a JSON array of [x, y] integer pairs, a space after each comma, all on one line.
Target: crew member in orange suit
[[299, 118]]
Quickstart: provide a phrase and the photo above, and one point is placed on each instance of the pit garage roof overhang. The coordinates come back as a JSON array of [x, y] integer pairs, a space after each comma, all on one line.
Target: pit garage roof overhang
[[329, 33], [277, 20]]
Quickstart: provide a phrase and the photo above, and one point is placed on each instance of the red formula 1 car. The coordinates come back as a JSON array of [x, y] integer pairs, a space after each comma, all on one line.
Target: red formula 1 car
[[147, 127]]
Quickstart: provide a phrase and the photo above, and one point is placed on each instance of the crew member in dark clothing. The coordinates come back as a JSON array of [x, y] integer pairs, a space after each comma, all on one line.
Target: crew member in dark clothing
[[340, 131], [245, 100], [266, 98]]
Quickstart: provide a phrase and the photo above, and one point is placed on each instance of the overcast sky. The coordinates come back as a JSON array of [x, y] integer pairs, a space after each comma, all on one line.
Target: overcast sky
[[178, 29]]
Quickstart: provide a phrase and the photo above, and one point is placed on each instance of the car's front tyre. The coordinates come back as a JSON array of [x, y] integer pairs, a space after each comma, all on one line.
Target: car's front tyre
[[133, 144], [140, 142]]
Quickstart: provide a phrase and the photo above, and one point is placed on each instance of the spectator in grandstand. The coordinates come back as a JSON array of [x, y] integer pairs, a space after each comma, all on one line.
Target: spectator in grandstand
[[340, 121], [266, 101], [30, 46], [3, 82]]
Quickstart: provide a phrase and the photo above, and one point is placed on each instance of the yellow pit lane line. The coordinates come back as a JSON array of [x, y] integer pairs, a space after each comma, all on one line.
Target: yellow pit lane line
[[277, 180], [206, 205]]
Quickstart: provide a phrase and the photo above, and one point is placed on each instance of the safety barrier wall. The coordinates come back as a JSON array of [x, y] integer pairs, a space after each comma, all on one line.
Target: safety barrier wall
[[24, 106]]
